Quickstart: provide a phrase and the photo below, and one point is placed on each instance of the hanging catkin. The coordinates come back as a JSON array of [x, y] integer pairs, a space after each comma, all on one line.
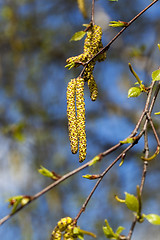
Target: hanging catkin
[[80, 106], [71, 114], [76, 110]]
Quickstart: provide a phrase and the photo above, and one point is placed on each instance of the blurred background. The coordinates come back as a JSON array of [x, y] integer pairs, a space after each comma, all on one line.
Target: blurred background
[[34, 45]]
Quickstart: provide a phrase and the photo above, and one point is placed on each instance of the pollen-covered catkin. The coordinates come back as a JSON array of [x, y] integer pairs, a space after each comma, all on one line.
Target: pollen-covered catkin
[[80, 105], [63, 225], [56, 235], [76, 114], [93, 88], [71, 114]]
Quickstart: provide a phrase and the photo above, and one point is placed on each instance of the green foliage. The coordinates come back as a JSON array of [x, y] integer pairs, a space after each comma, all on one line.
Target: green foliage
[[109, 233], [113, 0], [134, 92], [80, 233], [131, 202], [17, 201], [118, 24], [134, 74], [95, 160], [156, 75], [128, 140], [153, 218], [157, 113], [45, 172], [78, 36]]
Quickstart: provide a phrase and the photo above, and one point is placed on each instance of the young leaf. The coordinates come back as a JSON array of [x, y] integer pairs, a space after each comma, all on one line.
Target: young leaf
[[78, 36], [119, 230], [118, 24], [108, 231], [45, 172], [156, 75], [14, 202], [128, 140], [134, 92], [94, 160], [90, 177], [80, 232], [153, 218], [134, 74], [157, 113], [132, 202]]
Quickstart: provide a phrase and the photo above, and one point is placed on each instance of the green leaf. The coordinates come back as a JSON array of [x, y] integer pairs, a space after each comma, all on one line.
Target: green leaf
[[14, 202], [80, 232], [132, 202], [128, 140], [134, 92], [153, 218], [156, 75], [119, 230], [45, 172], [94, 160], [78, 36], [118, 24], [108, 231], [113, 0], [159, 46], [157, 113]]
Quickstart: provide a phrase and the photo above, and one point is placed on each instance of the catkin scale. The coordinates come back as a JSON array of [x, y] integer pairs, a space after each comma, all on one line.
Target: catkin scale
[[71, 114]]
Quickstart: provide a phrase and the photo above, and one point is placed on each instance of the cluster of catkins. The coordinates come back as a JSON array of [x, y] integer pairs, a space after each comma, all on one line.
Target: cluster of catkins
[[64, 227], [75, 95]]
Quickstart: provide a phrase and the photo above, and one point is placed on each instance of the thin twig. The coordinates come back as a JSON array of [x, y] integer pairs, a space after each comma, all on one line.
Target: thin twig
[[146, 149], [100, 179], [92, 17], [63, 178], [122, 30]]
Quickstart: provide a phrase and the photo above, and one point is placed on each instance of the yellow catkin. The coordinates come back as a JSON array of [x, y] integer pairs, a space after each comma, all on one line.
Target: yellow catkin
[[93, 88], [71, 114], [63, 225], [76, 123], [56, 235], [80, 105]]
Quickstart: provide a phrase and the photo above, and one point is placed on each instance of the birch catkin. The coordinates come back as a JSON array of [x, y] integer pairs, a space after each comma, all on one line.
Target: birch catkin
[[64, 225], [80, 106], [71, 114], [76, 114]]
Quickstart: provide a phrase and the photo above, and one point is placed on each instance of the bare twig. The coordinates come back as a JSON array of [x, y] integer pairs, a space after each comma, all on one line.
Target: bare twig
[[100, 179], [92, 18]]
